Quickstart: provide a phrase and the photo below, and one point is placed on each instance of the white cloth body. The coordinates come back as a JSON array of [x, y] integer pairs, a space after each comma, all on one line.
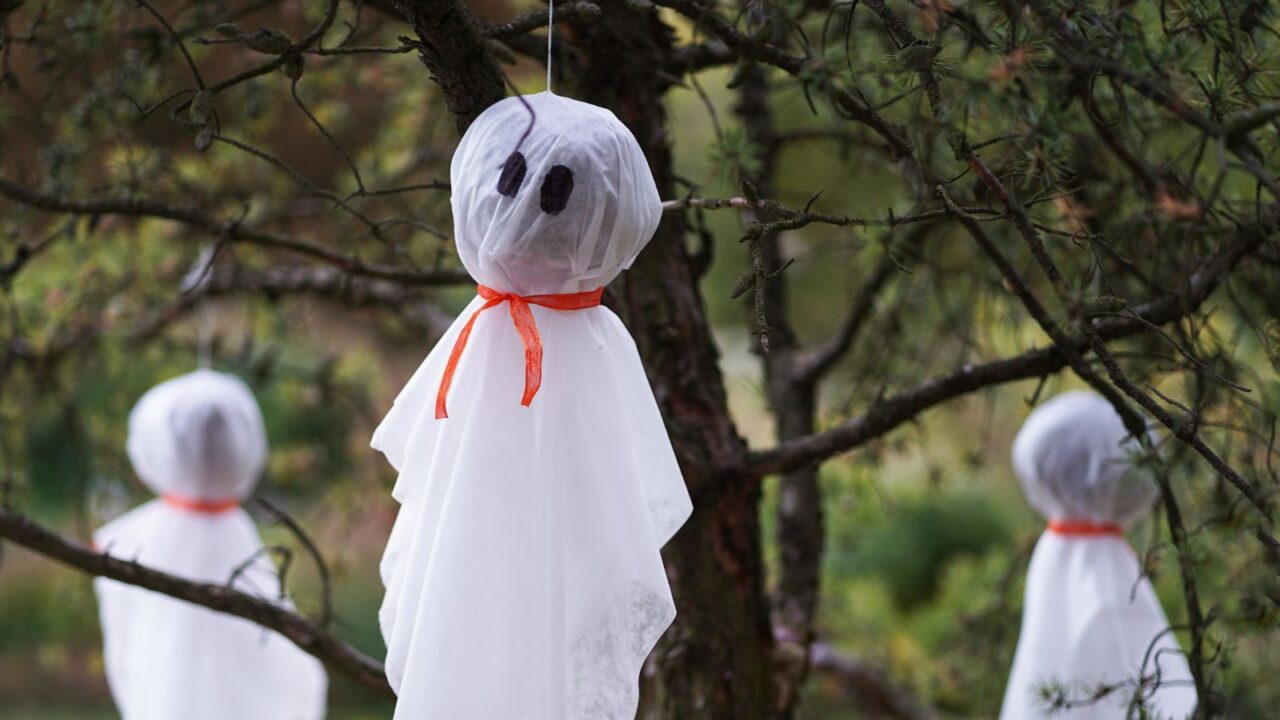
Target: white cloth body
[[523, 573], [168, 659], [1089, 616], [1089, 619], [198, 438]]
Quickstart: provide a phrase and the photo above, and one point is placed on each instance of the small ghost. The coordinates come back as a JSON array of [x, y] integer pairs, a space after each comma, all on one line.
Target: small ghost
[[1090, 617], [198, 442]]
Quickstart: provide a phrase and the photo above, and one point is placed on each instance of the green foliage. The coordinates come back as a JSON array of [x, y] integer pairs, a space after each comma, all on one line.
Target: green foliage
[[60, 461], [732, 157], [911, 552], [927, 532], [52, 611]]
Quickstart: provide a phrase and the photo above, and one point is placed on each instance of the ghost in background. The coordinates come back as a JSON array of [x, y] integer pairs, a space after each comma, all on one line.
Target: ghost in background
[[523, 574], [198, 442], [1090, 618]]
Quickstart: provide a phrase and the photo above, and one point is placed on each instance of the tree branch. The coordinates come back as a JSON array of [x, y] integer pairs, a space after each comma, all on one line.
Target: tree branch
[[452, 46], [801, 68], [875, 691], [231, 229], [309, 637], [815, 364], [890, 412], [330, 284], [538, 19]]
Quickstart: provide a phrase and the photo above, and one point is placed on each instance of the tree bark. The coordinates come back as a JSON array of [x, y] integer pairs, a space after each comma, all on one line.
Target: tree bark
[[715, 661], [793, 400], [452, 47]]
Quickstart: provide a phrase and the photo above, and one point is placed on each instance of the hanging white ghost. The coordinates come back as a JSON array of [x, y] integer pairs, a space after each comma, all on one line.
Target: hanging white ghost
[[523, 573], [198, 442], [1090, 618]]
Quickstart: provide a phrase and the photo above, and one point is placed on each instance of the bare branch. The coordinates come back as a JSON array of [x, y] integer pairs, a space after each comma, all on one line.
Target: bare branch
[[309, 637], [874, 691], [814, 365], [231, 229], [894, 410]]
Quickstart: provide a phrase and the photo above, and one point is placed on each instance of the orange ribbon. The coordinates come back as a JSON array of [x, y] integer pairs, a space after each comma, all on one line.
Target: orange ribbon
[[196, 505], [1084, 528], [522, 317]]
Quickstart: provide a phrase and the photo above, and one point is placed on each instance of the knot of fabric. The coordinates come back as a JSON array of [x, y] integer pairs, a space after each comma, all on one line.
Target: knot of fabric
[[197, 505], [522, 318], [1084, 528]]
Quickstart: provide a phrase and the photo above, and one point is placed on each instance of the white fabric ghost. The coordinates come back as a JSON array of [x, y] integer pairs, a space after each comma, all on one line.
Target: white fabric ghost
[[1090, 618], [198, 441], [523, 574]]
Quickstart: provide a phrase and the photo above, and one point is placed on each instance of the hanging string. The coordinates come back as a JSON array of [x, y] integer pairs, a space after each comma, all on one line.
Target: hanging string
[[193, 282], [551, 21], [204, 337]]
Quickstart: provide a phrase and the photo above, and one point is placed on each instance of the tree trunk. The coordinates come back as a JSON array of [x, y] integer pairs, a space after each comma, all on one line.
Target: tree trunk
[[715, 661], [793, 400]]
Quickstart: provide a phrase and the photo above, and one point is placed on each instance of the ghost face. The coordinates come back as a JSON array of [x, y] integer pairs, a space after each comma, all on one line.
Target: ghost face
[[561, 205], [557, 186]]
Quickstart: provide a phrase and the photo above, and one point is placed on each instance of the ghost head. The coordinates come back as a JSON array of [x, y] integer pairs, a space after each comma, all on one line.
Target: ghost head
[[1076, 461], [199, 436], [564, 208]]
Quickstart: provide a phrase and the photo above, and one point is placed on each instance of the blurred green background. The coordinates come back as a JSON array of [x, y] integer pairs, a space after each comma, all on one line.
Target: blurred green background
[[928, 533]]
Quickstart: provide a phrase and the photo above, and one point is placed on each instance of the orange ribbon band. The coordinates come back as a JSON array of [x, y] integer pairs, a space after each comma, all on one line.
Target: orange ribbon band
[[207, 507], [522, 318], [1084, 528]]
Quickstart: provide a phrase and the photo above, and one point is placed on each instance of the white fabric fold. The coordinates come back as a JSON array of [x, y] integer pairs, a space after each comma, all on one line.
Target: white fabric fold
[[1091, 619]]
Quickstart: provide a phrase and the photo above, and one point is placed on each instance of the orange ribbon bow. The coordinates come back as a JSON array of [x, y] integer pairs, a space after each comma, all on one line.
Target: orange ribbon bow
[[1084, 528], [522, 317], [197, 505]]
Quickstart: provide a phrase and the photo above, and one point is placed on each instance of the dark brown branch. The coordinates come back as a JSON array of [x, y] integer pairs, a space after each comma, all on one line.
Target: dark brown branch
[[875, 692], [232, 230], [817, 363], [894, 410], [1076, 50], [337, 655], [326, 588], [1074, 355], [538, 19], [801, 68], [1184, 431], [452, 46], [406, 303], [1069, 43]]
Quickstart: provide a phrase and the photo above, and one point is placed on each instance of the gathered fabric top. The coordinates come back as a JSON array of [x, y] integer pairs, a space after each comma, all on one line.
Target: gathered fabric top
[[1076, 461], [199, 436], [550, 195]]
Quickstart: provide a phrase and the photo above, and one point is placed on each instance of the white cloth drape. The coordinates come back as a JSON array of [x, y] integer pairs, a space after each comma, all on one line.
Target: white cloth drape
[[1090, 618], [523, 574], [198, 440]]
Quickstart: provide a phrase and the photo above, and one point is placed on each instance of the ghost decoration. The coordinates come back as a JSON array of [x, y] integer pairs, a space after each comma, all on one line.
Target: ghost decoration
[[198, 442], [1090, 617], [523, 575]]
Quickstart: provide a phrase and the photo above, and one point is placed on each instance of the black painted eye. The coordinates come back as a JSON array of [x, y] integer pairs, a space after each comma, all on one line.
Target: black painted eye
[[513, 171], [556, 188]]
